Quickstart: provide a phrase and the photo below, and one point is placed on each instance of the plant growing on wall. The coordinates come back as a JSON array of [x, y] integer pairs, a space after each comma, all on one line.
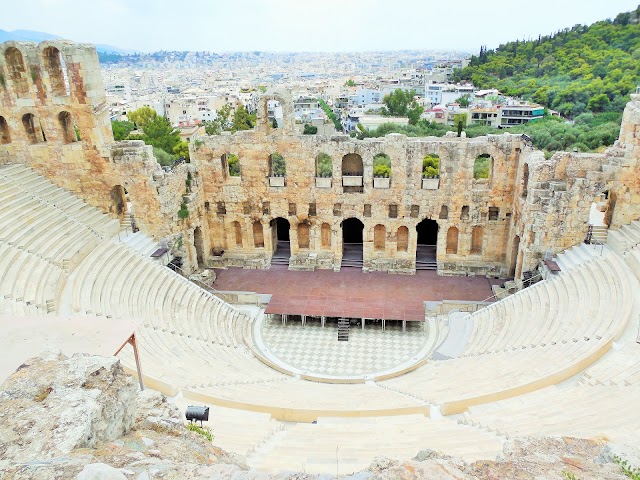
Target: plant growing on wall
[[278, 165], [381, 166], [431, 166], [233, 163], [325, 165], [183, 213], [188, 182]]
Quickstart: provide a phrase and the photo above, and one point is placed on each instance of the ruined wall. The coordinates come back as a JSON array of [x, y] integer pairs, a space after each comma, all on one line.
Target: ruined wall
[[54, 118]]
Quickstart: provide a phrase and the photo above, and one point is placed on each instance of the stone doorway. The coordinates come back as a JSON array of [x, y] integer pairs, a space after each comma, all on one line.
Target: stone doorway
[[427, 245], [282, 246], [352, 243]]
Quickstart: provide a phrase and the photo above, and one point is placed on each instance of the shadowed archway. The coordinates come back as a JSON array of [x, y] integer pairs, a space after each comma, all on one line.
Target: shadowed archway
[[352, 243], [280, 238], [427, 245]]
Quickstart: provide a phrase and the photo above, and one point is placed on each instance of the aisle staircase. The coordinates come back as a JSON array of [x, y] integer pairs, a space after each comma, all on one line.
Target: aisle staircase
[[343, 330]]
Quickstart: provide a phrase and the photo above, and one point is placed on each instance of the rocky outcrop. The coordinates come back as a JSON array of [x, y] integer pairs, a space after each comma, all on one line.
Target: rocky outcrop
[[82, 418]]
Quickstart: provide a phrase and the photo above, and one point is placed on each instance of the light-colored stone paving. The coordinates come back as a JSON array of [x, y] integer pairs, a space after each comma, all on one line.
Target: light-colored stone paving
[[317, 350]]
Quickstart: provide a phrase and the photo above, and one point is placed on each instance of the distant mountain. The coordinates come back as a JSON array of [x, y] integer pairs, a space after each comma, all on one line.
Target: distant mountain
[[32, 36]]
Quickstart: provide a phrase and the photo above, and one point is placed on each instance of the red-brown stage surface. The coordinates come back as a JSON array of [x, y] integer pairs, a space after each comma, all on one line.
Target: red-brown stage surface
[[352, 293]]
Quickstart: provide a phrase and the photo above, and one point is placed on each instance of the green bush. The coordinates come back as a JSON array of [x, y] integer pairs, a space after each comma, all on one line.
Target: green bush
[[278, 165], [309, 129], [431, 166], [325, 166], [204, 431], [183, 213], [233, 162], [381, 165], [163, 157], [481, 166]]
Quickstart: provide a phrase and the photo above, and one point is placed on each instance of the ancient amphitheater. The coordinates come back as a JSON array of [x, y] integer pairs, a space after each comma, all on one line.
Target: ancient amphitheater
[[559, 357]]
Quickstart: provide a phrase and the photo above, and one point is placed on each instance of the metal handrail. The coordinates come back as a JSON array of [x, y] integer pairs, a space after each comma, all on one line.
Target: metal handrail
[[495, 297]]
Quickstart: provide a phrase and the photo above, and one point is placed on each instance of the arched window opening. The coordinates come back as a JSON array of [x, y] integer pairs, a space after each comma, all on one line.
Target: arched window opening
[[32, 129], [444, 212], [403, 239], [324, 165], [56, 68], [237, 230], [17, 71], [258, 234], [477, 237], [277, 165], [66, 125], [352, 165], [230, 164], [382, 166], [431, 166], [452, 241], [303, 235], [464, 214], [483, 166], [325, 236], [379, 237], [5, 135]]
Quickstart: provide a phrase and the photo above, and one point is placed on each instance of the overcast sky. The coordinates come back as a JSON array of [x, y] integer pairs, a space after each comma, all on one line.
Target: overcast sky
[[303, 25]]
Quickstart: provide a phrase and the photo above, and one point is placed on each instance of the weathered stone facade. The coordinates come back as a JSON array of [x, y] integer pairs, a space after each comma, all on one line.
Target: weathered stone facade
[[498, 226]]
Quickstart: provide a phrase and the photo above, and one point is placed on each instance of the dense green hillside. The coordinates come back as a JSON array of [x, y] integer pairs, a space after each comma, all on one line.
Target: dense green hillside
[[584, 68]]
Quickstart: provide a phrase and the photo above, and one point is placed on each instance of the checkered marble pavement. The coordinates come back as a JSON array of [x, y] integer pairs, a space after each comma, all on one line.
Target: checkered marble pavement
[[314, 349]]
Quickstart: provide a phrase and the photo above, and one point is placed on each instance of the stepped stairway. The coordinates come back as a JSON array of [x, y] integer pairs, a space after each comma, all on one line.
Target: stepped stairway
[[624, 238], [426, 257], [343, 330], [282, 254]]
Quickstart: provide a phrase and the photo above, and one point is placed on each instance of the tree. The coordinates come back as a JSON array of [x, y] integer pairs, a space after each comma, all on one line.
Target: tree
[[121, 129], [159, 133], [397, 103], [464, 101], [182, 150], [414, 112], [325, 165], [221, 123], [350, 83], [431, 166], [163, 157], [242, 120], [309, 129], [598, 103], [233, 162], [142, 117]]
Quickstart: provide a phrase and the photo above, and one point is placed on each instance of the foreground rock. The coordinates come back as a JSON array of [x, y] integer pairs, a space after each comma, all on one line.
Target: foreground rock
[[82, 418]]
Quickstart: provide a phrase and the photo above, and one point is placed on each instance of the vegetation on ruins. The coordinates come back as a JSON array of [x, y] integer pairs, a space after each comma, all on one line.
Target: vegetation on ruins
[[162, 157], [309, 129], [482, 166], [230, 120], [325, 165], [331, 115], [632, 472], [183, 213], [278, 165], [142, 117], [382, 165], [402, 104], [204, 431], [122, 129], [431, 166], [233, 163]]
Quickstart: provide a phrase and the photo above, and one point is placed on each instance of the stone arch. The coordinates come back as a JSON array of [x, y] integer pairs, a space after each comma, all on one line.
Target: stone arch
[[452, 241], [118, 200], [352, 165], [444, 212], [402, 239], [262, 120], [198, 243], [67, 127], [5, 134], [17, 71], [303, 235], [324, 165], [483, 167], [277, 165], [237, 233], [379, 237], [477, 238], [325, 236], [56, 68], [258, 234], [32, 129]]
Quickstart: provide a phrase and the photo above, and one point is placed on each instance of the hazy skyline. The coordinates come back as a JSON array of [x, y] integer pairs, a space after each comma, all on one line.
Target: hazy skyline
[[298, 25]]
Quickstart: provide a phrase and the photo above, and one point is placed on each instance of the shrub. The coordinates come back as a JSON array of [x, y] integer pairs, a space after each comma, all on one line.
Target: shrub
[[325, 165], [184, 211], [481, 166], [431, 166], [162, 157], [278, 165], [381, 165], [234, 165]]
